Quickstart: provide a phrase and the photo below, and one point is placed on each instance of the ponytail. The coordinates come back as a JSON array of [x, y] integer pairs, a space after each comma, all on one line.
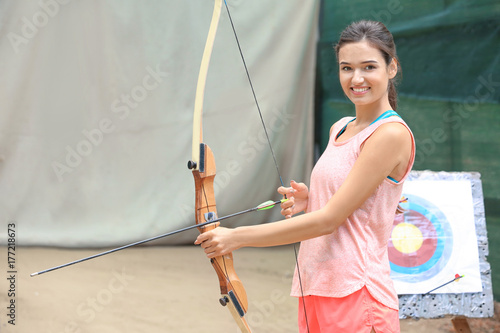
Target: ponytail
[[393, 95]]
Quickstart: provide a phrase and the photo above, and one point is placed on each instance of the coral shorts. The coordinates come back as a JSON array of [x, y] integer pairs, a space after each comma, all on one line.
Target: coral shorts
[[355, 313]]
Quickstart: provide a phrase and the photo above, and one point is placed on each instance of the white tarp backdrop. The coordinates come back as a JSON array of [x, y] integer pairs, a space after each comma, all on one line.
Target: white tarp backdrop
[[96, 108]]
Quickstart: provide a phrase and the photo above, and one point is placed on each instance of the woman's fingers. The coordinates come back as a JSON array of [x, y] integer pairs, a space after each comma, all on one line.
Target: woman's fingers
[[288, 203], [201, 238], [300, 190], [287, 207], [286, 191], [207, 244], [297, 193], [215, 242], [299, 187]]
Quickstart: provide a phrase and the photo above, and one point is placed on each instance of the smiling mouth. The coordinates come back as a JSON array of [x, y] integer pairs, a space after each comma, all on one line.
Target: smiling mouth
[[360, 90]]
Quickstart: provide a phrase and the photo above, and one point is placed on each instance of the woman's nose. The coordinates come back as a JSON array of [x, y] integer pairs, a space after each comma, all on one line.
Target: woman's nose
[[357, 77]]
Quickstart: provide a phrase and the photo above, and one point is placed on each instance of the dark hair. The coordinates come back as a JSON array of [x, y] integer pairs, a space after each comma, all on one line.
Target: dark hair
[[379, 37]]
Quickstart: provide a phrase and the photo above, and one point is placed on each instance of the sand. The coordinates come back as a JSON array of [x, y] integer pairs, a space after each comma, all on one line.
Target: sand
[[153, 289]]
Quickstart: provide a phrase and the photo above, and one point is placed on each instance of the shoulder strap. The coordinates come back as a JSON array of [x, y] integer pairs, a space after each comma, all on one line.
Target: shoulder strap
[[343, 128], [386, 114]]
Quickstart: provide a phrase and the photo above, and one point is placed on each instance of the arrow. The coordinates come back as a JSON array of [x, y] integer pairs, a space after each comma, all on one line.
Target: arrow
[[457, 277], [263, 206]]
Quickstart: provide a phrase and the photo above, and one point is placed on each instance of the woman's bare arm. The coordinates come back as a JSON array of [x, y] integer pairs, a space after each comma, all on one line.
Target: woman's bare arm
[[388, 149]]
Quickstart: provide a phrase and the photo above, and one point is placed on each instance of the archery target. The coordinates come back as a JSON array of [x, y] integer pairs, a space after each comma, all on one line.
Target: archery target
[[421, 241], [435, 239]]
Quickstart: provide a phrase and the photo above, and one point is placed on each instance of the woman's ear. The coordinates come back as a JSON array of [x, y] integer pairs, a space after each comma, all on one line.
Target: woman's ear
[[393, 68]]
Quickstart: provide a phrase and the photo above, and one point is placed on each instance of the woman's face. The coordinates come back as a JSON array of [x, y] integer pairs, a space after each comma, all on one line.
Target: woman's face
[[364, 75]]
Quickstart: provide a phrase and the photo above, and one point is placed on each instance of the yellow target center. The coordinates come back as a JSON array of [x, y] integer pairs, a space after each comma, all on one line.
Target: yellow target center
[[407, 238]]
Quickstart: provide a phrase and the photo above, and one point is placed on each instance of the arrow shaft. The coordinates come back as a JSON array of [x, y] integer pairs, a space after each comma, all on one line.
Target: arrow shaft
[[444, 284], [121, 248], [153, 238]]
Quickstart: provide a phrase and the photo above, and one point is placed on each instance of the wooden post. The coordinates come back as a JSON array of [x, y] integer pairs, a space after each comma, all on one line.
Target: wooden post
[[460, 324]]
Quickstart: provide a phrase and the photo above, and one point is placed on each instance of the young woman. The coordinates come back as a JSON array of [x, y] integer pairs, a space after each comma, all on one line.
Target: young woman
[[354, 193]]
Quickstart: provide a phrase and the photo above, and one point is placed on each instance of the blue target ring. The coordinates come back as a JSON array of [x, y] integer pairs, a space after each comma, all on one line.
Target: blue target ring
[[437, 241]]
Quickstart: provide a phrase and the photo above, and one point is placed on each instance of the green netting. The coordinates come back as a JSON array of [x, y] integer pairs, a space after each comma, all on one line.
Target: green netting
[[450, 89], [450, 92]]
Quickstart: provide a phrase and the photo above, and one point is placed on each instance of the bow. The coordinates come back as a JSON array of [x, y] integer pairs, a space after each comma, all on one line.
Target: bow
[[202, 164]]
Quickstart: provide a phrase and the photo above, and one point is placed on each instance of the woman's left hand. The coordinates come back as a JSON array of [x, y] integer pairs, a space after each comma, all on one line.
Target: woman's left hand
[[217, 242]]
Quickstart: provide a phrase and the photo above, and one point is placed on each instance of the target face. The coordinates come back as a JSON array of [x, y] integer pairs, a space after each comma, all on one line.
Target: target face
[[421, 240]]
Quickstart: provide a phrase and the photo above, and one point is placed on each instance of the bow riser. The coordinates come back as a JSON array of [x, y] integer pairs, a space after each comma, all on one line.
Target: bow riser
[[232, 290], [223, 265], [204, 183]]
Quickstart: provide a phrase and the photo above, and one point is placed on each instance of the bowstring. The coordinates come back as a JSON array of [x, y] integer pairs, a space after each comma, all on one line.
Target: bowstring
[[254, 95], [270, 148]]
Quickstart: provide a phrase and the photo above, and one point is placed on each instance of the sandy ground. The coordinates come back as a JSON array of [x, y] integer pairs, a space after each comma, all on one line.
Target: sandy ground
[[155, 289]]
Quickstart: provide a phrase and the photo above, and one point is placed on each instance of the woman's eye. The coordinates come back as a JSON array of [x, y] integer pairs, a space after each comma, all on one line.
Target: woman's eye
[[370, 67], [345, 68]]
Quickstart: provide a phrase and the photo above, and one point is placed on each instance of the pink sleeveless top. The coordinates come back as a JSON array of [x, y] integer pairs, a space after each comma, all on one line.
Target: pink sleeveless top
[[354, 255]]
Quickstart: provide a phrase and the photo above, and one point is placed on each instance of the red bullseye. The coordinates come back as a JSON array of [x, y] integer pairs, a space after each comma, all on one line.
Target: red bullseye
[[428, 241]]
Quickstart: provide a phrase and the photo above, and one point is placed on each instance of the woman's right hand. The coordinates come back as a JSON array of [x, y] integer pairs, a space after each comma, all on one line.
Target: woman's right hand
[[297, 195]]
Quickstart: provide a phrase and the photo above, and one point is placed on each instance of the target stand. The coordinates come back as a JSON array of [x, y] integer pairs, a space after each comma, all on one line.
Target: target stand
[[460, 324], [423, 244]]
